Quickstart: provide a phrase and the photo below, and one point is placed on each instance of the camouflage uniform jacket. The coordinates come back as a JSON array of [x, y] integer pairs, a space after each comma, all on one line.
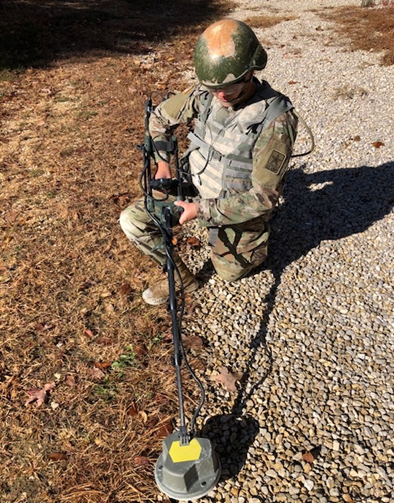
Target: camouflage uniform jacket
[[238, 158]]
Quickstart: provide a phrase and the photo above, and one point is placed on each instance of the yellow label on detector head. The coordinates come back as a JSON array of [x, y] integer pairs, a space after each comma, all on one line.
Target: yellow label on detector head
[[189, 452]]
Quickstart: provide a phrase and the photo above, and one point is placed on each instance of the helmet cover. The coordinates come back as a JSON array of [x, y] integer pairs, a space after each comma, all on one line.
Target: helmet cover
[[225, 52]]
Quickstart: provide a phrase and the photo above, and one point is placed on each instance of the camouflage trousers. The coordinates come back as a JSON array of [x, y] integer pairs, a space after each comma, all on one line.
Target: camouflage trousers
[[235, 250]]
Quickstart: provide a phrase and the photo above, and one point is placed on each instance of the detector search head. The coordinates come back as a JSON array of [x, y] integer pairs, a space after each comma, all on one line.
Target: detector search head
[[187, 471]]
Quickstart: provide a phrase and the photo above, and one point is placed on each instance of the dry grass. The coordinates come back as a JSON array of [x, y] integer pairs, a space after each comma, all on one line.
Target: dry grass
[[70, 290], [265, 21], [70, 283], [369, 29]]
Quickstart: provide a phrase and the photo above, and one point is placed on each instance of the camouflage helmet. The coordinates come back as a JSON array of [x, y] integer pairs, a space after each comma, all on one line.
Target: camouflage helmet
[[225, 52]]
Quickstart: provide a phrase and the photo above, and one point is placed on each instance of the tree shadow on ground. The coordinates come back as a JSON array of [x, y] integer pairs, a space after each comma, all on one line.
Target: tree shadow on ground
[[34, 33]]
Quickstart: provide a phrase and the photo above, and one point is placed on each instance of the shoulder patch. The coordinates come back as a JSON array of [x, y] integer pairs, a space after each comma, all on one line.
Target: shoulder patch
[[275, 162]]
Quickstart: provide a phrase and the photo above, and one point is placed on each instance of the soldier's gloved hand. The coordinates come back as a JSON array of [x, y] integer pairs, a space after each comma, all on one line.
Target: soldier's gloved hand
[[189, 211], [163, 170]]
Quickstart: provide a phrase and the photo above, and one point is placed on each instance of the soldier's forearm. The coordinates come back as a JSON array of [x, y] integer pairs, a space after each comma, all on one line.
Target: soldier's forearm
[[236, 209]]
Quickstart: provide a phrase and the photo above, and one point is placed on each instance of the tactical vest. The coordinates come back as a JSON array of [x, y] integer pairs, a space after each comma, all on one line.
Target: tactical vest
[[221, 149]]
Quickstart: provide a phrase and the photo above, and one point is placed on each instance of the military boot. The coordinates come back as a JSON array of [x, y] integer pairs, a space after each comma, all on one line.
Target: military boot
[[159, 292]]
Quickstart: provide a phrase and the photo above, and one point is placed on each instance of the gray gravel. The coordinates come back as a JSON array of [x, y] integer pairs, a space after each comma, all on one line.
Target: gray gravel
[[312, 331]]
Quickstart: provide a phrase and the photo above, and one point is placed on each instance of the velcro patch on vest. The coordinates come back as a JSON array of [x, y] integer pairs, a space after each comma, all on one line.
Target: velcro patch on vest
[[275, 162]]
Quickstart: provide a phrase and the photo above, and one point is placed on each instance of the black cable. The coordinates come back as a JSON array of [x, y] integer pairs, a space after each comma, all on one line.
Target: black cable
[[143, 183]]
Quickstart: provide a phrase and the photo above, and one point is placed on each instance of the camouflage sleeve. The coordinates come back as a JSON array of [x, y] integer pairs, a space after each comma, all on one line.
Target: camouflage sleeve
[[271, 156], [180, 108]]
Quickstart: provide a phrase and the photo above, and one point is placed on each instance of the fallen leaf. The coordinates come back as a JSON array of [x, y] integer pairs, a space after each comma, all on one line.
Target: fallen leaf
[[143, 415], [47, 91], [109, 246], [86, 284], [141, 461], [140, 350], [57, 456], [125, 290], [39, 394], [106, 341], [164, 429], [105, 294], [110, 308], [151, 424], [192, 241], [138, 281], [123, 199], [227, 378], [89, 333], [102, 365], [96, 373], [308, 457], [192, 342], [161, 399], [191, 307], [42, 328], [11, 217], [167, 336], [348, 499], [378, 144], [133, 410], [70, 381]]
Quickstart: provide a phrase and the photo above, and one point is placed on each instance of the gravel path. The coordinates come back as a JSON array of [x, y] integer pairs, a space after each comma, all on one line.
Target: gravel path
[[313, 331]]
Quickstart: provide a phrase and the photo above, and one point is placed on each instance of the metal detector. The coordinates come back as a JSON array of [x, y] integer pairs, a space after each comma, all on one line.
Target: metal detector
[[188, 467]]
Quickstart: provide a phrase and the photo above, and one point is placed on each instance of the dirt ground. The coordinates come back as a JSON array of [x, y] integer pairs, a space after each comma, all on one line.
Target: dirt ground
[[86, 380]]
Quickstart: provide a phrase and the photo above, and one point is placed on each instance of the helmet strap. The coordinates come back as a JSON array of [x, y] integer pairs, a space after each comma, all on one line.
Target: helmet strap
[[244, 91]]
